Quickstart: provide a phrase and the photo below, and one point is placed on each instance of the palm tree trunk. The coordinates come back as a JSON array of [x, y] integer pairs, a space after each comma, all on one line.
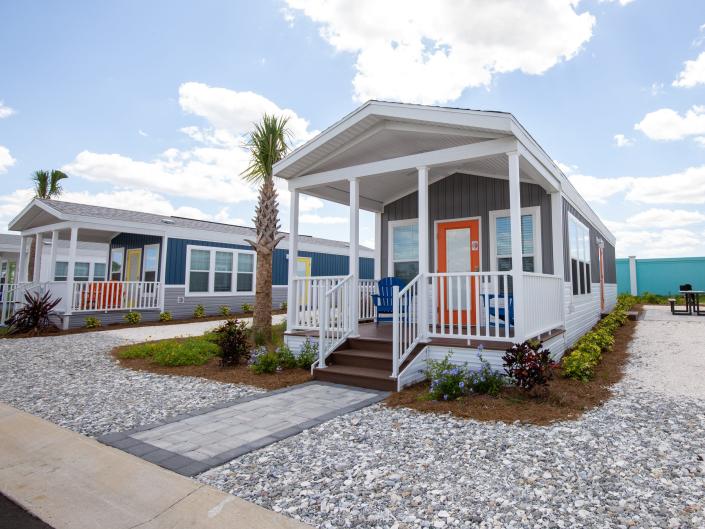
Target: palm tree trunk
[[263, 301]]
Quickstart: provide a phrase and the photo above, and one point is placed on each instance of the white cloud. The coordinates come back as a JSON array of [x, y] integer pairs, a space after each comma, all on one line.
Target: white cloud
[[620, 140], [595, 189], [142, 133], [6, 159], [700, 140], [665, 218], [656, 89], [693, 73], [320, 219], [620, 2], [429, 52], [235, 112], [5, 111], [666, 124], [658, 243]]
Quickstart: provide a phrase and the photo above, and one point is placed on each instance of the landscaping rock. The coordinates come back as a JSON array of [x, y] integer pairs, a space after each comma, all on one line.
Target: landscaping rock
[[74, 381]]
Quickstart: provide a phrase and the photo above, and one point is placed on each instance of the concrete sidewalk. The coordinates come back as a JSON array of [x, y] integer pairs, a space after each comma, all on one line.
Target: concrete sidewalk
[[73, 482]]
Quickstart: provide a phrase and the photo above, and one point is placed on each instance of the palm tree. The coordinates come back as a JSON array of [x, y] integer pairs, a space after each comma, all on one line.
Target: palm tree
[[267, 143], [47, 184]]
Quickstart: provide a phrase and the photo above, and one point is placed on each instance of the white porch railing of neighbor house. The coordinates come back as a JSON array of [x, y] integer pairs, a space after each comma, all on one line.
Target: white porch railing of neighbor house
[[407, 331], [105, 296], [13, 295], [543, 303], [336, 321], [367, 287]]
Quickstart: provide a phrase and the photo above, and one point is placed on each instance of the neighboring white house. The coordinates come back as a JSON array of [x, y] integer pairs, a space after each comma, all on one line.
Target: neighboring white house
[[493, 242]]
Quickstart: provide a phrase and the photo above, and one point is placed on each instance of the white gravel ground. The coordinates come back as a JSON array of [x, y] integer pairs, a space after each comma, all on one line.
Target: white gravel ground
[[73, 381], [635, 462]]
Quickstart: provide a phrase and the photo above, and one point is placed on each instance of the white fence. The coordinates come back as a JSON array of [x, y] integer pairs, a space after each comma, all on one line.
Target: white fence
[[543, 303], [105, 296], [367, 287], [407, 331], [336, 319]]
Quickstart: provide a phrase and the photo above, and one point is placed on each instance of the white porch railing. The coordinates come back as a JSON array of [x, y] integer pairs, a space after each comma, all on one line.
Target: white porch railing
[[307, 299], [406, 331], [471, 305], [543, 303], [336, 320], [13, 295], [108, 296], [367, 287]]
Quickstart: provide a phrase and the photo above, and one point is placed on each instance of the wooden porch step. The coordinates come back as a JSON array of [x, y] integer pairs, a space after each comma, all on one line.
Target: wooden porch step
[[357, 376], [363, 358], [371, 344]]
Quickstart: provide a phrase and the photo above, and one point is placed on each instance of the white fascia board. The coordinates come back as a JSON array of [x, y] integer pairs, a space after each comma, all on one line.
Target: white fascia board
[[497, 122], [436, 158], [26, 209]]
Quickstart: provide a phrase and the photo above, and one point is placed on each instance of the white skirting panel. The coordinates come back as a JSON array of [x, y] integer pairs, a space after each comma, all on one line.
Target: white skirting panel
[[295, 342]]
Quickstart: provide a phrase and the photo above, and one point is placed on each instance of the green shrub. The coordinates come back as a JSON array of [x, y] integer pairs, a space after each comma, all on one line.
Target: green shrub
[[448, 381], [199, 311], [133, 318], [165, 316], [283, 305], [266, 363], [196, 350], [233, 339], [486, 380], [224, 310], [91, 322], [247, 308], [259, 337], [140, 350], [308, 354], [287, 360]]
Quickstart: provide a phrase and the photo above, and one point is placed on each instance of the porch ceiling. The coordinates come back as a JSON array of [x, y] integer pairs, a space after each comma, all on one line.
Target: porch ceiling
[[378, 190]]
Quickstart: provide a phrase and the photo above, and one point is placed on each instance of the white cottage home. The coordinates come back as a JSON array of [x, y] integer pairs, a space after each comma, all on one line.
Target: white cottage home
[[492, 242]]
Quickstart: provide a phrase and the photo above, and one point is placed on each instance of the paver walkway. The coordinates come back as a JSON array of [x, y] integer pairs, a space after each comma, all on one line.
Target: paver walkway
[[193, 443]]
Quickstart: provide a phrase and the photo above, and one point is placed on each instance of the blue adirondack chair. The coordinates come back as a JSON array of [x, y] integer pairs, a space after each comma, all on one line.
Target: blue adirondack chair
[[497, 310], [383, 300]]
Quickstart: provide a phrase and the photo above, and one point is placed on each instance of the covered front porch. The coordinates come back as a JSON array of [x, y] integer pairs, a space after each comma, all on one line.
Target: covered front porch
[[469, 217]]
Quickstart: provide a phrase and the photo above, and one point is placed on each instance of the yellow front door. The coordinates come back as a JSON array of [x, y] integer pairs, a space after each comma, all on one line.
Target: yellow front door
[[303, 269], [133, 265]]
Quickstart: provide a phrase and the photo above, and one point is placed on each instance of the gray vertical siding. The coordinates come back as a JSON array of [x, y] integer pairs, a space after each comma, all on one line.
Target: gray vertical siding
[[131, 241], [609, 251], [463, 195]]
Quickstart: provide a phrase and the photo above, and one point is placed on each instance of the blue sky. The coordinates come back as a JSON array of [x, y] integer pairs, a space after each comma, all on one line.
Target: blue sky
[[145, 103]]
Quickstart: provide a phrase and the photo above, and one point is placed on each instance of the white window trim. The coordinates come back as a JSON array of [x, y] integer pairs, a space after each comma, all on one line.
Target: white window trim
[[144, 261], [535, 212], [110, 263], [211, 272], [587, 280], [390, 242]]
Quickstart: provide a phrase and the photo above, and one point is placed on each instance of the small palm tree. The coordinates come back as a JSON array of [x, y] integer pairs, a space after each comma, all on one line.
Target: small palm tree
[[267, 143], [47, 184]]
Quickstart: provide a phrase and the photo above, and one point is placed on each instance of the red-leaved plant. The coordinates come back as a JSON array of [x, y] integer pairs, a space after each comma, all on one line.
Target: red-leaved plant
[[528, 365]]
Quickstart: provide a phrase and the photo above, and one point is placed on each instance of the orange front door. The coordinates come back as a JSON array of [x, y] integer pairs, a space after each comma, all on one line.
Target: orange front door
[[458, 251]]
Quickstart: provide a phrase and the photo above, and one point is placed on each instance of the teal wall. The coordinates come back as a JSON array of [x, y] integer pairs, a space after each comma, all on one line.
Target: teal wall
[[662, 276]]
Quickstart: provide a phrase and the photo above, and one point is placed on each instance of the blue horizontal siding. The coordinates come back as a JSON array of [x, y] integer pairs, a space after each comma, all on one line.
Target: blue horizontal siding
[[322, 264]]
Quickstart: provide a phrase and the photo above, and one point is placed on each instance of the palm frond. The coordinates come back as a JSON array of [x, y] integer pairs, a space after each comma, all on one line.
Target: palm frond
[[55, 178], [267, 143], [47, 183]]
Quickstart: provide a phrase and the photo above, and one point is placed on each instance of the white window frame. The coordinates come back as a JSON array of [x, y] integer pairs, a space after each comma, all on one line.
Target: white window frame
[[586, 277], [93, 263], [535, 212], [144, 261], [211, 272], [391, 225], [110, 263]]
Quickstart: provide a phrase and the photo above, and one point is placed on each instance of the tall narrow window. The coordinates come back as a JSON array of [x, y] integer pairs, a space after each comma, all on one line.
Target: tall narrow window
[[579, 242], [151, 262], [223, 281], [404, 249], [245, 272], [199, 274], [530, 240], [117, 256], [81, 271], [61, 271], [98, 271]]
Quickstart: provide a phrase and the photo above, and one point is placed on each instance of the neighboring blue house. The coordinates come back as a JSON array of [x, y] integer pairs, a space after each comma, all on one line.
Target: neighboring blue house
[[659, 275], [161, 263]]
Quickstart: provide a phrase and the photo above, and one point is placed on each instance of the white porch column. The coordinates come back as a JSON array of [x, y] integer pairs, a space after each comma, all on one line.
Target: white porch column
[[422, 316], [20, 273], [52, 255], [557, 233], [355, 253], [378, 246], [162, 273], [73, 244], [38, 243], [517, 266], [291, 301], [633, 286]]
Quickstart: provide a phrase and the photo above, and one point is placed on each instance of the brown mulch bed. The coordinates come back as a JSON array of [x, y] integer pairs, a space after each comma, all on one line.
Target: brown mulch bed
[[566, 399], [113, 326], [232, 375]]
